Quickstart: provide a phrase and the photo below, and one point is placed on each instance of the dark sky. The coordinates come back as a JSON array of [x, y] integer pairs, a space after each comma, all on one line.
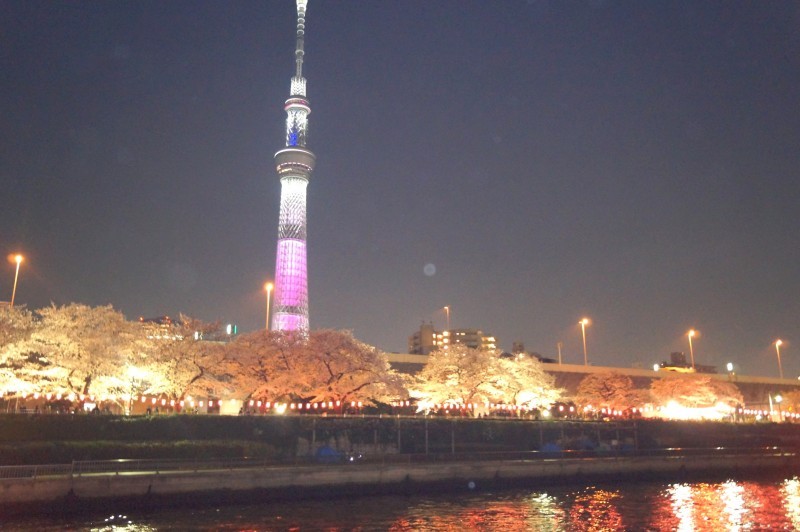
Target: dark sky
[[633, 162]]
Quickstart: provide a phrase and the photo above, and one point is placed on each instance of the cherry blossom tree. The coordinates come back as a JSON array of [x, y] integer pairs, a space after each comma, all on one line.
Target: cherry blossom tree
[[609, 390], [16, 360], [464, 375], [349, 370], [82, 349], [525, 383], [184, 357], [459, 375], [325, 365], [695, 391], [791, 401], [16, 324], [266, 361]]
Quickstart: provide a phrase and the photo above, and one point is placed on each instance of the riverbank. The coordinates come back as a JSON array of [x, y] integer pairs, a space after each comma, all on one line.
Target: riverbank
[[73, 492]]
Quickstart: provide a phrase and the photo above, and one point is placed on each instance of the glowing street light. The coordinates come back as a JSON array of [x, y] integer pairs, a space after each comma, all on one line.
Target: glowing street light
[[691, 334], [778, 344], [447, 312], [268, 288], [583, 323], [18, 259]]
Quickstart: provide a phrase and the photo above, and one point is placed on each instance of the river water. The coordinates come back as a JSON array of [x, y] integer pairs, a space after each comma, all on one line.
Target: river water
[[696, 506]]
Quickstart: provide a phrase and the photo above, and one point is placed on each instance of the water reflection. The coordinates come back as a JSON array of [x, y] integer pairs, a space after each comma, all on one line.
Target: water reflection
[[734, 511], [594, 509], [122, 523], [548, 515], [791, 501], [539, 511], [730, 505]]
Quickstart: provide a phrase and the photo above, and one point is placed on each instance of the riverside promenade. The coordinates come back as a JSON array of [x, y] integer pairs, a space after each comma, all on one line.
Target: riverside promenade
[[26, 488]]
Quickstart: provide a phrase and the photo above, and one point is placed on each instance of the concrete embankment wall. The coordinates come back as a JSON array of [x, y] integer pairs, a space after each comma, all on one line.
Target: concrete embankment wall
[[372, 477]]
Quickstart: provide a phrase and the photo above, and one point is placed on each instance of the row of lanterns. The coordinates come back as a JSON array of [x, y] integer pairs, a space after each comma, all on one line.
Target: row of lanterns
[[191, 402], [764, 413], [327, 405], [141, 398], [503, 406], [302, 406]]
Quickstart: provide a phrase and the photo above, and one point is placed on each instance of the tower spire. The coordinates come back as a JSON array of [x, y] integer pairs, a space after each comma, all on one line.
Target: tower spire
[[294, 164], [301, 30]]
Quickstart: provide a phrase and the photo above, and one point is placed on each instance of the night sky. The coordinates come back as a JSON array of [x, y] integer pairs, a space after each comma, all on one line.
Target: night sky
[[633, 162]]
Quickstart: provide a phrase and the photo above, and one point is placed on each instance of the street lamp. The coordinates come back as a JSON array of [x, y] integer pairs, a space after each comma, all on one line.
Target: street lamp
[[447, 312], [268, 288], [691, 334], [583, 323], [778, 344], [18, 259]]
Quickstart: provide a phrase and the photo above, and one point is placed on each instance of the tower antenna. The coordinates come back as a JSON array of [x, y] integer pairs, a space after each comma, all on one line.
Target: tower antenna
[[301, 31]]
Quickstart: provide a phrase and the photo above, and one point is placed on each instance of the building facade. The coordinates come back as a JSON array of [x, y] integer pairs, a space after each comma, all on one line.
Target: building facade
[[428, 339], [294, 164]]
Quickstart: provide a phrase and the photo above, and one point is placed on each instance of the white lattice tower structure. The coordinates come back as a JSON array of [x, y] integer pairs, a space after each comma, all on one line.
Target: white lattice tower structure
[[294, 163]]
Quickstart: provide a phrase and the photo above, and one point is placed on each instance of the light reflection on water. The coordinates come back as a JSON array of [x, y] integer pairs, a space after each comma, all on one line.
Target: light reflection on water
[[791, 501], [730, 505]]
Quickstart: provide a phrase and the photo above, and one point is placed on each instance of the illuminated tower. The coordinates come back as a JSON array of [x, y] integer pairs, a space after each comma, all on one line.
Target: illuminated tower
[[294, 163]]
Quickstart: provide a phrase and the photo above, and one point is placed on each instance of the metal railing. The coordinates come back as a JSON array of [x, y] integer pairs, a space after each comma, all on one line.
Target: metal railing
[[132, 467]]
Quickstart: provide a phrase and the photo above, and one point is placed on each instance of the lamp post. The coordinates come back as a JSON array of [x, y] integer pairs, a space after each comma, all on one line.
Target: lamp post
[[583, 323], [18, 259], [447, 312], [778, 344], [691, 334], [268, 288]]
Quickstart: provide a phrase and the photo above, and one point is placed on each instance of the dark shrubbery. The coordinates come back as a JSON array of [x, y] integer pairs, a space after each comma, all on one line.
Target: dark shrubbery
[[63, 438], [64, 452]]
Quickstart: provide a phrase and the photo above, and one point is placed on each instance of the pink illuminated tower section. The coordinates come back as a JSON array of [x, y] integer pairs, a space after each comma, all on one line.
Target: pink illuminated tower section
[[295, 163]]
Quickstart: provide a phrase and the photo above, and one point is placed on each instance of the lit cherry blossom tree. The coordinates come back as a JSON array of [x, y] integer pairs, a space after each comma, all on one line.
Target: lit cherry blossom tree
[[459, 375], [266, 361], [464, 375], [16, 324], [526, 384], [81, 349], [184, 357], [609, 390], [791, 401], [16, 360], [325, 365], [695, 396], [350, 370]]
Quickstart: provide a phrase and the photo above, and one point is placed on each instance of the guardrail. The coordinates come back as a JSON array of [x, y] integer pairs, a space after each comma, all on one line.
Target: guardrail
[[130, 467]]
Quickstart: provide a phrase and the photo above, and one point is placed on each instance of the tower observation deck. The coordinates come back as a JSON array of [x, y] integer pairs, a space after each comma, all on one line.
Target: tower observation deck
[[294, 163]]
